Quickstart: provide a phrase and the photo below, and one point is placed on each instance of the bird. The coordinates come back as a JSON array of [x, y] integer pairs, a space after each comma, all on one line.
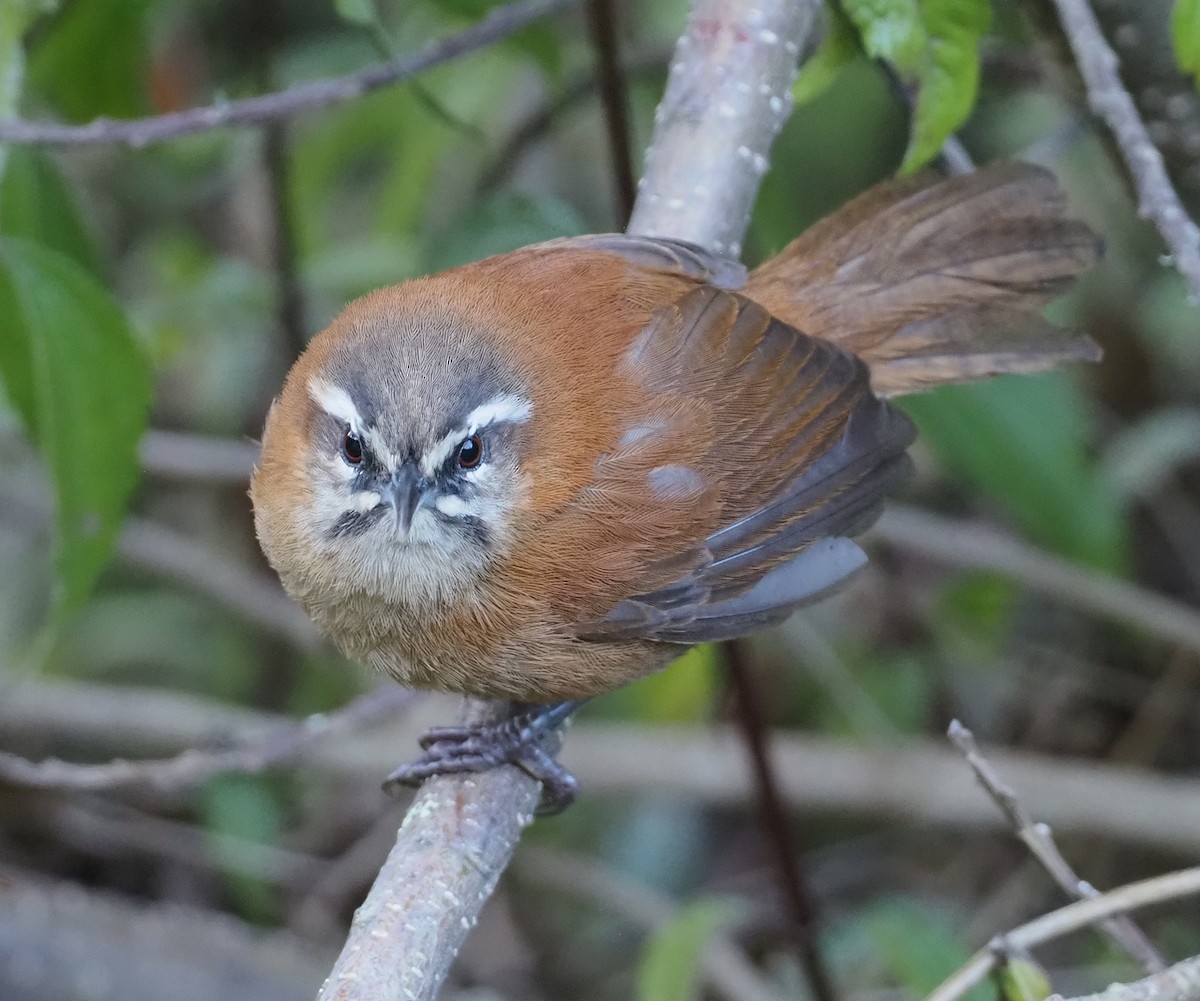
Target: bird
[[542, 475]]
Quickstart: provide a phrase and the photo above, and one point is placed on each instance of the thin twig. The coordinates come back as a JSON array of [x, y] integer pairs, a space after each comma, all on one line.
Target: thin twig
[[305, 97], [602, 23], [1039, 839], [979, 547], [283, 744], [1056, 924], [803, 911], [722, 963], [1157, 199]]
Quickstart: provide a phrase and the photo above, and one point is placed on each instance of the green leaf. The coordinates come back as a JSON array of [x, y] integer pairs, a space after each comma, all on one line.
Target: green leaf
[[94, 60], [1023, 441], [671, 959], [948, 81], [1185, 33], [934, 46], [1022, 979], [80, 383], [838, 47], [36, 205], [891, 30]]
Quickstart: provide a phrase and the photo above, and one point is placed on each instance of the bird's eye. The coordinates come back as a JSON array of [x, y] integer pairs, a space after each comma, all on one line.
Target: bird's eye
[[352, 449], [470, 453]]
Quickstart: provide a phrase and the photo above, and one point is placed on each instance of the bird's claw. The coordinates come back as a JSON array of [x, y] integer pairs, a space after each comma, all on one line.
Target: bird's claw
[[516, 740]]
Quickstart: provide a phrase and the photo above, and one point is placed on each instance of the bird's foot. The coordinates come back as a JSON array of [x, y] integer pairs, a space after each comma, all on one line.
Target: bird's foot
[[517, 740]]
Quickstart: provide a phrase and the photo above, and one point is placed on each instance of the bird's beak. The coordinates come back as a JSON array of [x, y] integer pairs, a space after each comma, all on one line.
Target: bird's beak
[[405, 492]]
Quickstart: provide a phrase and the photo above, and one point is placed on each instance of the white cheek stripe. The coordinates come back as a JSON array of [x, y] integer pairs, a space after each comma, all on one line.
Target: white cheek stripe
[[336, 402], [505, 408]]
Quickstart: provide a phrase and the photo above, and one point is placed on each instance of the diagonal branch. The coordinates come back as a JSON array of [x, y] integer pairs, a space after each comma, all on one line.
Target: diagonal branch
[[727, 95], [305, 97], [1040, 842], [1057, 924]]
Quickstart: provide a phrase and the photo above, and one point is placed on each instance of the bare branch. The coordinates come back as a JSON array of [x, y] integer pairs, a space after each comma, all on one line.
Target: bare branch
[[1056, 924], [249, 754], [1108, 98], [1040, 842], [457, 838], [728, 94], [305, 97]]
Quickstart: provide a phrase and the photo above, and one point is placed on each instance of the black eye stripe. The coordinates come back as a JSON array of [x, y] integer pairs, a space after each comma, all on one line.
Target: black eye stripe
[[351, 523]]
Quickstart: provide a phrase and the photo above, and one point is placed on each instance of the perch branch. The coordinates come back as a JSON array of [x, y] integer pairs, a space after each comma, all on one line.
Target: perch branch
[[1156, 196], [727, 95], [1040, 842], [1056, 924], [305, 97]]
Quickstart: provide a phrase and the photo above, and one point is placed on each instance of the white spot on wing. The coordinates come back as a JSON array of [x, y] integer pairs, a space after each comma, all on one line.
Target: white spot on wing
[[675, 482]]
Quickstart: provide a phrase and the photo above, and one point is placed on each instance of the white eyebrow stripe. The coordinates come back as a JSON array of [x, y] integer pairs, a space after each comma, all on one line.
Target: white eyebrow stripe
[[336, 402], [506, 408], [378, 445]]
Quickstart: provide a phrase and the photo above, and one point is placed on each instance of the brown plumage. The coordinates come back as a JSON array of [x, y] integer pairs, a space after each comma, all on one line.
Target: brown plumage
[[542, 475]]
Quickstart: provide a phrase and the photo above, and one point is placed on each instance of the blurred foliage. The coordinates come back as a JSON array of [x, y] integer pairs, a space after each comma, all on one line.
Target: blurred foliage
[[144, 287], [1023, 442], [669, 963], [1185, 33], [1022, 979]]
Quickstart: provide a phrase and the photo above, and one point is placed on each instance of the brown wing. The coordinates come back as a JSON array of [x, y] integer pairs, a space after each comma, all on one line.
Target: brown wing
[[749, 453]]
